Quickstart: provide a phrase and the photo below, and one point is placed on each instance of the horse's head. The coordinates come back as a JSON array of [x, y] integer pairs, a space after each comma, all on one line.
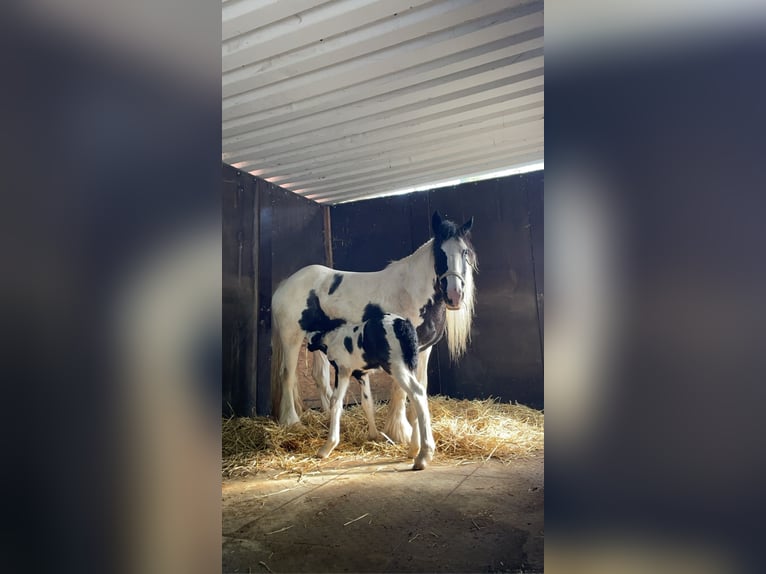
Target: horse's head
[[454, 260]]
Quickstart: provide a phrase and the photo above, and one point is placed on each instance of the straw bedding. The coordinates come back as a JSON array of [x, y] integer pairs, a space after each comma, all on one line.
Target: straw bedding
[[464, 431]]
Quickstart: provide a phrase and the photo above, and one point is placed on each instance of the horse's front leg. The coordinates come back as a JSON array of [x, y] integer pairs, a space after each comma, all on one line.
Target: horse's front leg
[[336, 408]]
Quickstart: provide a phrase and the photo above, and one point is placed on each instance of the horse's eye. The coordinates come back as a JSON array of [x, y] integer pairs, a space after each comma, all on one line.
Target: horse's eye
[[465, 253]]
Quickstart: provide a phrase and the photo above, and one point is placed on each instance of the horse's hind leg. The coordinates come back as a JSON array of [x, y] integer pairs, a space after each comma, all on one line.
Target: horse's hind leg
[[287, 413], [320, 371], [369, 407], [336, 408]]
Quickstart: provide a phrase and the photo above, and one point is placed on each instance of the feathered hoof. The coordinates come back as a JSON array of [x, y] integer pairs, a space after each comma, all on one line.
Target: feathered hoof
[[291, 421], [419, 464], [374, 435], [399, 431]]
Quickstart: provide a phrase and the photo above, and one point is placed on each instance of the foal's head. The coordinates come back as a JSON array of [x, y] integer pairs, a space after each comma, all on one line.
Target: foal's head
[[454, 260]]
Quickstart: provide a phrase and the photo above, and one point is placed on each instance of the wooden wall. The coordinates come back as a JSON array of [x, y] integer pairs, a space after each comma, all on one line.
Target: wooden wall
[[268, 233]]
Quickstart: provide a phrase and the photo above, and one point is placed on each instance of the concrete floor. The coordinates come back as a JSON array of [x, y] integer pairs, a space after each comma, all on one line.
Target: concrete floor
[[479, 517]]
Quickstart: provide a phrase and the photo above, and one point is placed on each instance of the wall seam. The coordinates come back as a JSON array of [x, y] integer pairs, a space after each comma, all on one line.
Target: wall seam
[[525, 187]]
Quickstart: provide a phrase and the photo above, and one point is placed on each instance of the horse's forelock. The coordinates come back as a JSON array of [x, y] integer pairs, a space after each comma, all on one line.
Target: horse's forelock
[[450, 230], [446, 231]]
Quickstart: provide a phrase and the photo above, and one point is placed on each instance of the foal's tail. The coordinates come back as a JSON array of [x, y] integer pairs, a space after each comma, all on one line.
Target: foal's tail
[[277, 367]]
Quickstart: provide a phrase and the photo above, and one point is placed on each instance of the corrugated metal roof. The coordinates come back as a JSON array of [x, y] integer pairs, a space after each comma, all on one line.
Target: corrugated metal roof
[[349, 99]]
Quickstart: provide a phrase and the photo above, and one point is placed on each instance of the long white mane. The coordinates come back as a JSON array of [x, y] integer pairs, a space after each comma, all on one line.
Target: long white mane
[[459, 322]]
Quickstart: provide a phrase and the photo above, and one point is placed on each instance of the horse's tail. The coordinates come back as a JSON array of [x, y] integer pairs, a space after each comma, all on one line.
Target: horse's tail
[[277, 367]]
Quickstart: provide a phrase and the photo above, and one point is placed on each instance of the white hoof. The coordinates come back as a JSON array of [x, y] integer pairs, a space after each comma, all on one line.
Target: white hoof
[[290, 419], [423, 459], [325, 451], [413, 449]]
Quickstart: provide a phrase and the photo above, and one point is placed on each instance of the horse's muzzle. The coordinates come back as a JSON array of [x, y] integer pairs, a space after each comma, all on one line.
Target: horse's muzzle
[[453, 300], [453, 293]]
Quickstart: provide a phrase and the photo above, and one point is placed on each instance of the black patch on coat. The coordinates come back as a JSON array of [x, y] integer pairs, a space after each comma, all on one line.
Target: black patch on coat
[[314, 319], [434, 320], [440, 260], [365, 396], [375, 350], [316, 344], [348, 344], [372, 311], [336, 280], [359, 341], [356, 328], [357, 374], [335, 366], [408, 340]]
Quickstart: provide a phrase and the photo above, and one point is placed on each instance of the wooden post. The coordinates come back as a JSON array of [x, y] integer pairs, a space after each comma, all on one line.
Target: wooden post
[[327, 237]]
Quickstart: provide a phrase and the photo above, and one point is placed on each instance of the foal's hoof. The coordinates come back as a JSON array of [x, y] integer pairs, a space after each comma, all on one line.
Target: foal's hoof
[[422, 460], [325, 451]]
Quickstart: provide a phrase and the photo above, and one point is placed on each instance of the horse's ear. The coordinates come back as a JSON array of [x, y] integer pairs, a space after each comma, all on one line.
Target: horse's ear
[[466, 227], [436, 222]]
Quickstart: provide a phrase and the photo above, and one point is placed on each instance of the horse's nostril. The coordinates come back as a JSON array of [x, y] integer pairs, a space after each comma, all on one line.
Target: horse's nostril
[[454, 297]]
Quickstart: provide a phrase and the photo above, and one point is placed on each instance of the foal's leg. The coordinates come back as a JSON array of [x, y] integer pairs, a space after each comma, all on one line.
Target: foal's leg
[[417, 394], [369, 407], [336, 408], [320, 371], [422, 377]]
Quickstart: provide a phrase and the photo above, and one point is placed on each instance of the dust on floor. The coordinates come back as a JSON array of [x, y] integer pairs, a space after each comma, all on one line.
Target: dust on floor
[[382, 517]]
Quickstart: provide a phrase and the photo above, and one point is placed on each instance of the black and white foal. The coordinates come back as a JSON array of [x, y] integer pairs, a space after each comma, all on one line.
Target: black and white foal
[[381, 340]]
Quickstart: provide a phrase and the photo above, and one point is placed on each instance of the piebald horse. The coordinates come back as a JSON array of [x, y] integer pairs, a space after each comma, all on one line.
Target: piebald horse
[[433, 288], [382, 341]]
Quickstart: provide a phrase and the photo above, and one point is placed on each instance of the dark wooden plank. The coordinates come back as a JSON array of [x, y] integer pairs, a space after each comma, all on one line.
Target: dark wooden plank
[[367, 235], [238, 280], [534, 185], [263, 315]]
